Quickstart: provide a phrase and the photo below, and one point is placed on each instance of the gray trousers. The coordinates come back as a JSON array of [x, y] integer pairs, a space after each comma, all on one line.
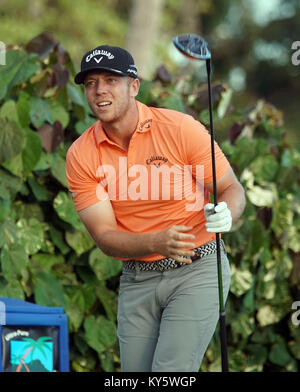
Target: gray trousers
[[167, 319]]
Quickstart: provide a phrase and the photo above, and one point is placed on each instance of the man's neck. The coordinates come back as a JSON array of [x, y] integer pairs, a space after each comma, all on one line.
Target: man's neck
[[121, 132]]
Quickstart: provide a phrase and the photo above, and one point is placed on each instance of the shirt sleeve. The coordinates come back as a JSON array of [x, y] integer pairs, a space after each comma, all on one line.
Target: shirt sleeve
[[84, 185], [196, 141]]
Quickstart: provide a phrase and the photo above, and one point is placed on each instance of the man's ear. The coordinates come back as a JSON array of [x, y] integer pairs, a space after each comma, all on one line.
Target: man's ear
[[135, 86]]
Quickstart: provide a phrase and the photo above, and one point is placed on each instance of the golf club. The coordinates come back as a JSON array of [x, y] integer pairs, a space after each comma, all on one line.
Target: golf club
[[195, 47]]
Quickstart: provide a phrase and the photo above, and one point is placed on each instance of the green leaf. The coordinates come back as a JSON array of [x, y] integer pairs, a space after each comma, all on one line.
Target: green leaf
[[40, 112], [80, 241], [173, 101], [247, 150], [258, 354], [80, 343], [263, 196], [58, 169], [32, 151], [14, 262], [64, 206], [18, 69], [14, 165], [294, 348], [44, 162], [9, 185], [268, 314], [287, 159], [48, 290], [241, 281], [243, 324], [279, 354], [27, 211], [31, 235], [5, 206], [104, 266], [47, 247], [23, 109], [84, 296], [75, 315], [264, 168], [204, 116], [58, 240], [9, 232], [59, 113], [109, 301], [83, 125], [47, 261], [282, 216], [144, 94], [9, 111], [65, 274], [39, 191], [107, 361], [100, 333], [12, 139], [12, 290], [75, 95]]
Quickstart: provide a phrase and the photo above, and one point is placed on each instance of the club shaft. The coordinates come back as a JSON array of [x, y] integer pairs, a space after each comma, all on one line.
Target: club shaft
[[223, 337]]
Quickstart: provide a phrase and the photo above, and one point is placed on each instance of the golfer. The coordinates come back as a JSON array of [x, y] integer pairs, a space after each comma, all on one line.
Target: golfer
[[141, 179]]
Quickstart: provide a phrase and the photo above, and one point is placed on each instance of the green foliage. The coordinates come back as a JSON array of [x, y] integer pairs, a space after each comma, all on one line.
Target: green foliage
[[47, 256]]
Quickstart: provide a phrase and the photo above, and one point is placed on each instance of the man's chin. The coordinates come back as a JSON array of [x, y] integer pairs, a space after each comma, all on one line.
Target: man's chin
[[103, 116]]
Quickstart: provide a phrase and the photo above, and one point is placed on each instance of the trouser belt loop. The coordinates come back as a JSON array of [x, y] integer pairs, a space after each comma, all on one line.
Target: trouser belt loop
[[137, 267]]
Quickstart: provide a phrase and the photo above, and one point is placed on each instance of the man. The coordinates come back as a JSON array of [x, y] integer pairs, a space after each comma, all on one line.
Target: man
[[168, 299]]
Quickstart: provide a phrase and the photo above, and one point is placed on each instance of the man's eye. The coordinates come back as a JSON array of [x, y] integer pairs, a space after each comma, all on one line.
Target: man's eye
[[90, 83], [112, 80]]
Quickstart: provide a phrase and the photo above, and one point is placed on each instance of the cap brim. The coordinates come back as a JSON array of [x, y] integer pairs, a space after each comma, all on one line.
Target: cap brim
[[79, 78]]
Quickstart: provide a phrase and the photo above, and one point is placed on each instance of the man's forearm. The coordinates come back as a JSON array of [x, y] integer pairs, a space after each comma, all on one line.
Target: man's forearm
[[234, 196], [122, 244]]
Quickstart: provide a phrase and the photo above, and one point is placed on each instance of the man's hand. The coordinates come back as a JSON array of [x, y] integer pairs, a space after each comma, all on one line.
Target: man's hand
[[219, 219], [173, 243]]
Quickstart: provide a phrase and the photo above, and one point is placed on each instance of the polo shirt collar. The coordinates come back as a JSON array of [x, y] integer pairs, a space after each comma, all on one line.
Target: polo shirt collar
[[144, 123]]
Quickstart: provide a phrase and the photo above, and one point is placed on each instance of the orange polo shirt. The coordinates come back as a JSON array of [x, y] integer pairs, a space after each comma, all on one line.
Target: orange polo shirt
[[157, 183]]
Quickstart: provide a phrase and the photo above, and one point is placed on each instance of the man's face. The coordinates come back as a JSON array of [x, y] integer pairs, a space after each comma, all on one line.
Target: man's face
[[110, 95]]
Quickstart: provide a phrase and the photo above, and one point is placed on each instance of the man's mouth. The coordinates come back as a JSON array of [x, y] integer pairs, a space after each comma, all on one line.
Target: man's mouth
[[103, 104]]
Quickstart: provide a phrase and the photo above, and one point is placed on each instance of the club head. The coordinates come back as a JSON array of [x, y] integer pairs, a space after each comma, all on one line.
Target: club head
[[192, 46]]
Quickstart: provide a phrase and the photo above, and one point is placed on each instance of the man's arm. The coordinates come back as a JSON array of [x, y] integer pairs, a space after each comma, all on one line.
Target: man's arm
[[100, 221], [231, 191]]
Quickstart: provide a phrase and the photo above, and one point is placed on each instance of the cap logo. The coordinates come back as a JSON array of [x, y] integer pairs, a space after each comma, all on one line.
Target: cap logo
[[132, 71], [98, 60], [101, 52]]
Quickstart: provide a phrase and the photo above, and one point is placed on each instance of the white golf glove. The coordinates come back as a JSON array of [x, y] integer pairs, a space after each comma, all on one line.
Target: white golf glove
[[219, 219]]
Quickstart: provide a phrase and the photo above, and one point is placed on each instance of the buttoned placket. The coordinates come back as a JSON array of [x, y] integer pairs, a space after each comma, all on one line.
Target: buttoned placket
[[129, 165]]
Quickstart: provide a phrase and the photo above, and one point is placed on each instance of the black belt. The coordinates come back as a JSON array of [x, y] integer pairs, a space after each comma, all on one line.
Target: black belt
[[169, 263]]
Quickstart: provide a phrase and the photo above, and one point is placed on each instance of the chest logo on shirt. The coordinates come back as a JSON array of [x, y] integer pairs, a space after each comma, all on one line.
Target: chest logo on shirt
[[156, 160], [145, 124]]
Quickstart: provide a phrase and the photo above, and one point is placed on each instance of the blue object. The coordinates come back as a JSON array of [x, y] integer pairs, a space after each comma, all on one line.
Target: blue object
[[19, 320]]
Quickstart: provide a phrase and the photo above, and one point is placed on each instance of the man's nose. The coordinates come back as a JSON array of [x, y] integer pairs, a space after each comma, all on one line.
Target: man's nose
[[101, 87]]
